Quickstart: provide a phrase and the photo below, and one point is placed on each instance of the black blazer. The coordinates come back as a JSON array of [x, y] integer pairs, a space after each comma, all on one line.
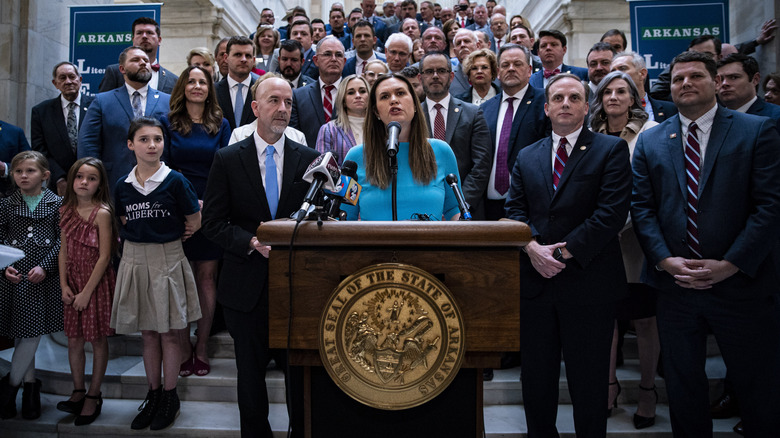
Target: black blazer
[[234, 205], [587, 212], [49, 134], [223, 97], [114, 79], [662, 109], [308, 114]]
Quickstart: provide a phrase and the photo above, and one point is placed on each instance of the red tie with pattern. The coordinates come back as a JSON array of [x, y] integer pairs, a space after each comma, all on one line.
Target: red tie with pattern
[[502, 155], [692, 163], [439, 131], [560, 162], [327, 103], [548, 74]]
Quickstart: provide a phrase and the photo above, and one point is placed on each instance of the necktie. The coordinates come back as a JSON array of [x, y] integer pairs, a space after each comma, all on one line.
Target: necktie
[[156, 67], [137, 110], [498, 45], [238, 109], [462, 22], [439, 131], [327, 103], [362, 68], [692, 162], [644, 103], [560, 162], [502, 169], [548, 74], [271, 181], [73, 133]]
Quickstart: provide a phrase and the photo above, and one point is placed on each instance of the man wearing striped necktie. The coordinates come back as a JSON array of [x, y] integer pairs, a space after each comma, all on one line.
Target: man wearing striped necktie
[[706, 210]]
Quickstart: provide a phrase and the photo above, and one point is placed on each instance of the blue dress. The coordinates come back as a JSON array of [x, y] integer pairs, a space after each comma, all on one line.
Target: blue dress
[[435, 199], [192, 155]]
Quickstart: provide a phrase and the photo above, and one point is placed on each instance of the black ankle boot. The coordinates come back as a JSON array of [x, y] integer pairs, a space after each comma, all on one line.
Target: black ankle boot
[[148, 409], [7, 398], [168, 410], [31, 400]]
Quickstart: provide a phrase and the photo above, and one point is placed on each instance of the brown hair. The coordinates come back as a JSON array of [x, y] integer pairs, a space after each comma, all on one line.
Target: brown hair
[[180, 118], [39, 159]]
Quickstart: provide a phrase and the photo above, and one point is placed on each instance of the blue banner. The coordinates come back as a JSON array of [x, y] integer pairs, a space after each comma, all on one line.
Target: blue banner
[[98, 34], [662, 29]]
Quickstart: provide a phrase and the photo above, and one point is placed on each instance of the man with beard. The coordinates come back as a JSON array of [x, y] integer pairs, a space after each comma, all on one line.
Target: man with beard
[[461, 125], [300, 31], [599, 60], [290, 61], [103, 133], [253, 181], [146, 35], [364, 40], [54, 127]]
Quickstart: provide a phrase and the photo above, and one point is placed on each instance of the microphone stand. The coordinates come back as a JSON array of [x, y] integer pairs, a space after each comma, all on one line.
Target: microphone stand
[[394, 180]]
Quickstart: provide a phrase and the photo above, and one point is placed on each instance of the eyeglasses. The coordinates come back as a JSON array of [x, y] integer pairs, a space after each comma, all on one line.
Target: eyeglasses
[[337, 55], [439, 71]]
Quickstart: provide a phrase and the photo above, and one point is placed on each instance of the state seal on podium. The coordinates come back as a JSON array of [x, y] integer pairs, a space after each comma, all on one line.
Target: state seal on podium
[[391, 336]]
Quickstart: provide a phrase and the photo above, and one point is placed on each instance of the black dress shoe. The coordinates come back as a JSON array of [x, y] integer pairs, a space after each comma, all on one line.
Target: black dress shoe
[[168, 410], [738, 428], [70, 406], [83, 420], [148, 409], [31, 400], [7, 398], [725, 407]]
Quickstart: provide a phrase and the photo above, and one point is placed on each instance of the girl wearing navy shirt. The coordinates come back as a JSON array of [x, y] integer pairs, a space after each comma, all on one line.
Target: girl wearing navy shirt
[[155, 288]]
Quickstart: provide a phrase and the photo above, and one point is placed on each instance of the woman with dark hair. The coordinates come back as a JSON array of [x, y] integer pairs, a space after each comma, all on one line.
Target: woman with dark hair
[[450, 28], [481, 68], [266, 40], [194, 131], [423, 163], [618, 111], [346, 130]]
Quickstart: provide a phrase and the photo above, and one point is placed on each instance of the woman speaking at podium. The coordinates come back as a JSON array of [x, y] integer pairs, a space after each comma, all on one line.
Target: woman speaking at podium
[[423, 163]]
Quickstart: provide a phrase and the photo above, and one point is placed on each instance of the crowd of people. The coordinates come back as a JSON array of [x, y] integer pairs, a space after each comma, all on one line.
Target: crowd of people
[[649, 207]]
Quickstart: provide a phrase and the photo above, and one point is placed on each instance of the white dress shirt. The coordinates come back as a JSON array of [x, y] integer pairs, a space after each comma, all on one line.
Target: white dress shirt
[[143, 91], [262, 147], [233, 87], [703, 133], [571, 140], [65, 102], [432, 111]]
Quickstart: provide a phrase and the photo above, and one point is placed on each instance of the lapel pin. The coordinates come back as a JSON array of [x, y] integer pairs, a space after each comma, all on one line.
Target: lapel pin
[[661, 114], [528, 103], [673, 136], [582, 148], [457, 109], [156, 96]]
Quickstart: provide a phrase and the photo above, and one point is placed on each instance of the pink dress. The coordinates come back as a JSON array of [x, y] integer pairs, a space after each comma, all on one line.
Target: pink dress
[[81, 238]]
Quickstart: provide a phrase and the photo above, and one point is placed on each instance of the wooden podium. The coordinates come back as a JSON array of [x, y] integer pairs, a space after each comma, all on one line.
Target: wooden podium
[[477, 261]]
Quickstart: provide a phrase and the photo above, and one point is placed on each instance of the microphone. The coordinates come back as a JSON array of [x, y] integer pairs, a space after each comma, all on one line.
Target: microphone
[[393, 132], [323, 172], [452, 180], [348, 189]]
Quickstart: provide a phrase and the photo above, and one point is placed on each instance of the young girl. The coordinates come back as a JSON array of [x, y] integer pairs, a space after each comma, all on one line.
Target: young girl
[[155, 288], [87, 279], [29, 289]]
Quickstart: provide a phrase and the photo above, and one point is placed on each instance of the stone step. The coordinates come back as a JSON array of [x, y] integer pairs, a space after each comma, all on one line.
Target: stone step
[[221, 420], [126, 379]]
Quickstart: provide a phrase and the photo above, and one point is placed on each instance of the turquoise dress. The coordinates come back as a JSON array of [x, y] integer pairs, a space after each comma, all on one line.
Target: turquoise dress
[[435, 199]]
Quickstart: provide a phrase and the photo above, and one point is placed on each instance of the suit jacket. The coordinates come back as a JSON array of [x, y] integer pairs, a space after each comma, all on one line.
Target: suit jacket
[[587, 211], [308, 114], [529, 125], [49, 134], [235, 204], [468, 136], [12, 141], [662, 109], [350, 67], [223, 97], [765, 109], [739, 203], [460, 83], [537, 79], [103, 133], [307, 67], [113, 79]]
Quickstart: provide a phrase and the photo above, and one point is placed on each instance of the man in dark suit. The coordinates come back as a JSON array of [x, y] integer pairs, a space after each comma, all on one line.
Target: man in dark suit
[[465, 42], [301, 31], [529, 122], [290, 59], [12, 141], [498, 29], [364, 40], [380, 28], [233, 90], [739, 78], [314, 104], [461, 125], [146, 35], [244, 191], [523, 36], [706, 211], [633, 64], [427, 18], [573, 189], [55, 123], [103, 133], [552, 47]]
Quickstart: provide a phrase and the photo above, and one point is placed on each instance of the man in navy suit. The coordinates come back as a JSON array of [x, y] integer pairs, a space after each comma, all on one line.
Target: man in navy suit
[[552, 47], [239, 197], [706, 211], [12, 141], [55, 123], [465, 42], [380, 28], [309, 103], [529, 122], [461, 125], [573, 189], [290, 59], [633, 64], [103, 133], [301, 31], [146, 35], [364, 39], [233, 90], [739, 78]]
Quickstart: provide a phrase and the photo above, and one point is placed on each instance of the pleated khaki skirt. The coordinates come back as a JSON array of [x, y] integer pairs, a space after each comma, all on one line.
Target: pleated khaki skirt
[[155, 289]]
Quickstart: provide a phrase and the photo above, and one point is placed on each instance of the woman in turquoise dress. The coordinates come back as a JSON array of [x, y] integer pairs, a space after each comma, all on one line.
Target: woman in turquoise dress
[[423, 163]]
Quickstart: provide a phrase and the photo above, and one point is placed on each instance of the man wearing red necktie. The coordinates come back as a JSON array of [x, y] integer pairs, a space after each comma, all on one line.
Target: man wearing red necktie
[[552, 48]]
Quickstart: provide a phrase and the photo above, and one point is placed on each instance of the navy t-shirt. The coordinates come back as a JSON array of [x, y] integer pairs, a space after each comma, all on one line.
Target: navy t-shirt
[[159, 216]]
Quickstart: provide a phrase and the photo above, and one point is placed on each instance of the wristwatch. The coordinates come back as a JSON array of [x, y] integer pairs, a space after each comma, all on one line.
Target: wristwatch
[[558, 255]]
